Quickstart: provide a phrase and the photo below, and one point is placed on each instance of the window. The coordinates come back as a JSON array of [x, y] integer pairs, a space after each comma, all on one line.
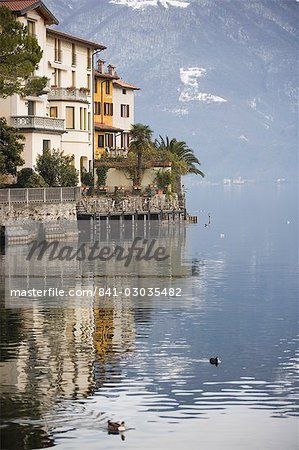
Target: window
[[31, 108], [89, 122], [108, 109], [82, 118], [107, 87], [54, 111], [124, 91], [74, 55], [88, 59], [101, 140], [88, 81], [109, 140], [31, 28], [124, 140], [70, 117], [97, 108], [57, 50], [46, 144], [125, 110], [73, 78], [95, 86], [57, 77]]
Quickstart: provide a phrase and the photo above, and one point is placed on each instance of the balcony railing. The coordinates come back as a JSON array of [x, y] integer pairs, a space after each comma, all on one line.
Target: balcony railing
[[68, 94], [36, 122], [116, 152]]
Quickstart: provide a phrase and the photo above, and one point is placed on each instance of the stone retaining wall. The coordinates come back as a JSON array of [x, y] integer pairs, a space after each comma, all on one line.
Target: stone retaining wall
[[39, 212]]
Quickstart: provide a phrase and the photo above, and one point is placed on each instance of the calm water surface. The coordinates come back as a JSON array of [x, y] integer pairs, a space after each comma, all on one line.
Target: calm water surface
[[66, 371]]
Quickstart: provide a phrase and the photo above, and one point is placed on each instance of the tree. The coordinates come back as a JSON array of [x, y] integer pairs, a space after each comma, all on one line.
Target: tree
[[87, 178], [102, 172], [27, 178], [183, 160], [163, 179], [19, 57], [11, 149], [56, 168], [140, 144]]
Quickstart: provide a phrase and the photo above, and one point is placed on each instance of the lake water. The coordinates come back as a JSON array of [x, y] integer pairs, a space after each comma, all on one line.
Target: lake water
[[66, 370]]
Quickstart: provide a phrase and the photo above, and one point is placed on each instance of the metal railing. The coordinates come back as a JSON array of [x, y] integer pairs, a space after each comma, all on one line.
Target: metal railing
[[37, 122], [68, 94], [40, 195]]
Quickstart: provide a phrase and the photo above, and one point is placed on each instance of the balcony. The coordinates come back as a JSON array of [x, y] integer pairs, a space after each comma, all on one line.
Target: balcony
[[116, 152], [70, 94], [38, 123]]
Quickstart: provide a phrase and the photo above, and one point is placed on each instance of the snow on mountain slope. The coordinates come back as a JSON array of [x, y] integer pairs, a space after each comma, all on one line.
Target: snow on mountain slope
[[141, 4], [210, 72], [190, 92]]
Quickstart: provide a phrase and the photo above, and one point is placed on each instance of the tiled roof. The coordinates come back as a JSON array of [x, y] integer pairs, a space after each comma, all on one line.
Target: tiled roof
[[106, 75], [103, 127], [125, 85], [71, 37], [21, 7], [18, 5]]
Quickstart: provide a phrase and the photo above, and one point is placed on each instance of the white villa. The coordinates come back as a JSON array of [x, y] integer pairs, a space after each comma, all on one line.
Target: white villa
[[123, 98], [61, 118]]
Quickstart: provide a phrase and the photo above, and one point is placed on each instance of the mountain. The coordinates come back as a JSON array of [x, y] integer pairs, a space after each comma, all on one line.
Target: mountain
[[220, 74]]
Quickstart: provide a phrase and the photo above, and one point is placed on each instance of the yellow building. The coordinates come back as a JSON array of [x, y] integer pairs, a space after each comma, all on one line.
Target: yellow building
[[105, 133]]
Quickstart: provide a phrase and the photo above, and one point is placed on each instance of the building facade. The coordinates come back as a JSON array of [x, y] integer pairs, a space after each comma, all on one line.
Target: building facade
[[105, 131], [113, 112], [62, 117], [124, 111]]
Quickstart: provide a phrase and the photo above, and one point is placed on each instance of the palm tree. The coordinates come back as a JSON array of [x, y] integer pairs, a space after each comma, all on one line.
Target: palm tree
[[182, 157], [140, 142]]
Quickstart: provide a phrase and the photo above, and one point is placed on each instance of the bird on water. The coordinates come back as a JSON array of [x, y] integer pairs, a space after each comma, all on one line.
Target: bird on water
[[115, 427], [215, 361]]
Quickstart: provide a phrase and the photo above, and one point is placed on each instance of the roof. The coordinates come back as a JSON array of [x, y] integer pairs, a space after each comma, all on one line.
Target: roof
[[125, 85], [71, 37], [106, 75], [21, 7], [103, 127]]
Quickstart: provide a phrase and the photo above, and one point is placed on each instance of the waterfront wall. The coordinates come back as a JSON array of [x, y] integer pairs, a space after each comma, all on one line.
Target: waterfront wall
[[22, 223], [19, 213]]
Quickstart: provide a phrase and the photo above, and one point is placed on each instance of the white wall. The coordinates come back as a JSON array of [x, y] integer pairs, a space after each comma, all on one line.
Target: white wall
[[34, 146], [116, 177], [126, 99]]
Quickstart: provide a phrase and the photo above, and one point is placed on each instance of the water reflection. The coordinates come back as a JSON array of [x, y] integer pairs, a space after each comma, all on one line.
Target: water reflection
[[66, 371]]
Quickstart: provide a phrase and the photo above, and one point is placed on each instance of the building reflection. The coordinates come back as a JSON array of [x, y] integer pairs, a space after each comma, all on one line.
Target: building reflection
[[66, 351]]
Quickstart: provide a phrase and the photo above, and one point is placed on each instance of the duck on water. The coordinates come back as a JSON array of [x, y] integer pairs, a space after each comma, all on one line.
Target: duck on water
[[116, 427], [215, 361]]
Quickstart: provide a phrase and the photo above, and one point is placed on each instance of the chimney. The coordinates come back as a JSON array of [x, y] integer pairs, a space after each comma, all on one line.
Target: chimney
[[100, 64], [111, 70]]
